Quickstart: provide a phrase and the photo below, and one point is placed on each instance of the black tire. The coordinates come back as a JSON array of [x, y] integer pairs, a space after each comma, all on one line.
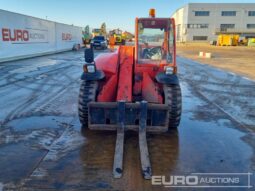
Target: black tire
[[88, 90], [173, 99]]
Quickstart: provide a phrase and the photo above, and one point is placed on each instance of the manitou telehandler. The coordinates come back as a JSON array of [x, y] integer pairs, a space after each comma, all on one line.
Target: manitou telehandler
[[134, 88]]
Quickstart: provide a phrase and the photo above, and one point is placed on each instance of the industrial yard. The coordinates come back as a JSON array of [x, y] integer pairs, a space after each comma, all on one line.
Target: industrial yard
[[91, 103], [236, 59], [42, 146]]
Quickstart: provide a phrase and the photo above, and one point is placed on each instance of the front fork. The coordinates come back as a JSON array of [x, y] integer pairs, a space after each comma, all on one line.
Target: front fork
[[119, 147]]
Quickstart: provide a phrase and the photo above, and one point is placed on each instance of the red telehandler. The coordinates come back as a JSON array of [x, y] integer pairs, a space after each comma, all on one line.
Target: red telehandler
[[134, 88]]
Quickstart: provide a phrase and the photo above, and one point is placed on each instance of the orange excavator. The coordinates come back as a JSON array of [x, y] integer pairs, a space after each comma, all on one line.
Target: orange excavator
[[134, 88]]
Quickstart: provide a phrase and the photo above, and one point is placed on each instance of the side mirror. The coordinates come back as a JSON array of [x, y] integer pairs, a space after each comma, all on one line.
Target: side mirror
[[89, 55]]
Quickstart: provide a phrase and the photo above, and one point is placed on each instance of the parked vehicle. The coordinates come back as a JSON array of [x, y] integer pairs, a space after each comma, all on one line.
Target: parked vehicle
[[99, 42], [118, 36]]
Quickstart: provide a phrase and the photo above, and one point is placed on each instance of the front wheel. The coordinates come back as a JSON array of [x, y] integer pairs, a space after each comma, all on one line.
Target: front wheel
[[173, 99], [87, 94]]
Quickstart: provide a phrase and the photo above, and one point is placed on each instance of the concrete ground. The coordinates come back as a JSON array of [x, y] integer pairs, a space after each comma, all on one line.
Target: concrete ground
[[237, 59], [42, 146]]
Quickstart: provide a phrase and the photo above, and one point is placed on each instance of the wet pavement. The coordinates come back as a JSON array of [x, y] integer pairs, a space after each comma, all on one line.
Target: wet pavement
[[42, 146]]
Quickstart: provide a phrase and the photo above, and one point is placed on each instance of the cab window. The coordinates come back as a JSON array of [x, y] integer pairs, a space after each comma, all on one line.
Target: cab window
[[154, 41]]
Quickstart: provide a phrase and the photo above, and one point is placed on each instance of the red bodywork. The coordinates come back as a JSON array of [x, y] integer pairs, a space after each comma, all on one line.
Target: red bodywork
[[126, 79]]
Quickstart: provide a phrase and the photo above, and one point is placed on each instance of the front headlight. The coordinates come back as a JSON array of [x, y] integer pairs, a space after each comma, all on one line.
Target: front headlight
[[89, 68], [169, 70]]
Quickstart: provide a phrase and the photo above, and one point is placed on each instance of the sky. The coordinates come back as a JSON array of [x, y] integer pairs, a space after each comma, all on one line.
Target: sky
[[115, 13]]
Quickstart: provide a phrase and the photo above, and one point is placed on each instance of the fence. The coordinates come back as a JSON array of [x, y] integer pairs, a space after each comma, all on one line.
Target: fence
[[23, 36]]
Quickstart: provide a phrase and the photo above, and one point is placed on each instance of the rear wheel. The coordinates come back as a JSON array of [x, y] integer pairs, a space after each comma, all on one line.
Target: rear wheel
[[173, 99], [87, 94]]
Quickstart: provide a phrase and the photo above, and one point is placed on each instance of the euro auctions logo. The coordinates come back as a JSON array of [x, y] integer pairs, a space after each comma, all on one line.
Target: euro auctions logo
[[173, 181], [24, 36], [205, 180], [15, 35], [66, 36]]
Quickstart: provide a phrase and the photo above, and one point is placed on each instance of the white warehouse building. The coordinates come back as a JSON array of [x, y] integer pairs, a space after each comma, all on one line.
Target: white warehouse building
[[204, 21]]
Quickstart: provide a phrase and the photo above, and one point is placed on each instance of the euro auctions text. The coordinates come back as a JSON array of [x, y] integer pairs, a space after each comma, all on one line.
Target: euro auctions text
[[205, 180]]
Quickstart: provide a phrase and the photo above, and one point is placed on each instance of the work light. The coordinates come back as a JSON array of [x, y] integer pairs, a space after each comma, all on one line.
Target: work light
[[168, 70], [89, 68]]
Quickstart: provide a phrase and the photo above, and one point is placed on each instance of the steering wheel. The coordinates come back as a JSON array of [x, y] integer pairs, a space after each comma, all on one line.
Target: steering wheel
[[155, 50], [151, 53]]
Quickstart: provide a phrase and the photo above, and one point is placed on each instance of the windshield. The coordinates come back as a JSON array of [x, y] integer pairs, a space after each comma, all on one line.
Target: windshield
[[98, 38], [154, 41], [118, 32], [96, 30]]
